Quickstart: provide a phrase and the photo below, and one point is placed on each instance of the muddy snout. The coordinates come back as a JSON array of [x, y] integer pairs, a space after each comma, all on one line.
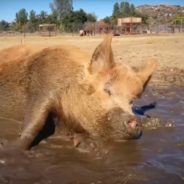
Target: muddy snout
[[134, 127], [124, 125]]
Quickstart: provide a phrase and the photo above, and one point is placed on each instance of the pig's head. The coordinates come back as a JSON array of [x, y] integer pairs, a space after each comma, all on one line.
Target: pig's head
[[116, 86]]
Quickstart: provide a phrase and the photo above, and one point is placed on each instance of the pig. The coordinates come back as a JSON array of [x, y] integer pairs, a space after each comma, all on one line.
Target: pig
[[83, 94]]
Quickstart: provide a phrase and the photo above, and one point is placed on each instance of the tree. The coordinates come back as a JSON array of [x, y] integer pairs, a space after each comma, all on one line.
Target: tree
[[75, 20], [132, 10], [43, 17], [178, 19], [62, 7], [91, 17], [116, 10], [4, 26], [52, 18], [33, 21], [21, 18], [125, 9], [108, 20]]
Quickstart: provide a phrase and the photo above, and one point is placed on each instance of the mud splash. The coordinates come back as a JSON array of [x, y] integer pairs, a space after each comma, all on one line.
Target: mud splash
[[156, 158]]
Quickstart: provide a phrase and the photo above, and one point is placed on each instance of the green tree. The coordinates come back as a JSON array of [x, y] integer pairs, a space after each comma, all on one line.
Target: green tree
[[52, 18], [108, 20], [132, 10], [43, 17], [122, 8], [21, 18], [178, 19], [62, 7], [33, 21], [91, 17], [75, 20], [125, 9], [4, 26], [116, 10]]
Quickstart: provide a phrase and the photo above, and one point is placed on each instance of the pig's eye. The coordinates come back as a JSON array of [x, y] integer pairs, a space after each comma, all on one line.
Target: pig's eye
[[107, 91], [108, 88]]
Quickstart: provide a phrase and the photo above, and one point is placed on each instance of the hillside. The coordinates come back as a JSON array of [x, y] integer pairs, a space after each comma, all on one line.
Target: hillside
[[163, 13]]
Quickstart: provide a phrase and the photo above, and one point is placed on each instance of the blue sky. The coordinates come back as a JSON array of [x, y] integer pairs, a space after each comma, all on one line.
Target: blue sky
[[101, 8]]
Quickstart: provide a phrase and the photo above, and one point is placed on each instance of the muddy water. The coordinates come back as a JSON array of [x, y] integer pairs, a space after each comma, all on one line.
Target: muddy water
[[156, 158]]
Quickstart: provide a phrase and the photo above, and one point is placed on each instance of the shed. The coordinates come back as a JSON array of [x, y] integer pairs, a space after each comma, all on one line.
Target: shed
[[47, 29], [129, 24]]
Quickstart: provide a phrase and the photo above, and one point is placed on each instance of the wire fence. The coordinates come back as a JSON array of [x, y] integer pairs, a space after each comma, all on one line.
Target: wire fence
[[93, 30]]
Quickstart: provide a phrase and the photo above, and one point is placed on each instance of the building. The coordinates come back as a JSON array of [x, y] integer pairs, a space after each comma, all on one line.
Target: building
[[47, 29], [130, 25]]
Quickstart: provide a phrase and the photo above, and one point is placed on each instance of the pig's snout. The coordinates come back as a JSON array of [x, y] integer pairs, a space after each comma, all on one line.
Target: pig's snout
[[133, 123], [124, 126], [134, 128]]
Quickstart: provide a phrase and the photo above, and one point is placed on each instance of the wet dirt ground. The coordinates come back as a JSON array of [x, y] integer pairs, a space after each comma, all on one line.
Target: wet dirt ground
[[156, 158]]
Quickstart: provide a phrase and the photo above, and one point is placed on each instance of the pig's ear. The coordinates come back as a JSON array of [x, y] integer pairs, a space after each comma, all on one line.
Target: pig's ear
[[146, 73], [102, 58]]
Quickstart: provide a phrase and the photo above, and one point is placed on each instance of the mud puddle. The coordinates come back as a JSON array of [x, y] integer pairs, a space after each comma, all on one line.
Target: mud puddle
[[156, 158]]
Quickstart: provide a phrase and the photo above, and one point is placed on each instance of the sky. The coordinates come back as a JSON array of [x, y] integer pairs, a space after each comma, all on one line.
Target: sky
[[101, 8]]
